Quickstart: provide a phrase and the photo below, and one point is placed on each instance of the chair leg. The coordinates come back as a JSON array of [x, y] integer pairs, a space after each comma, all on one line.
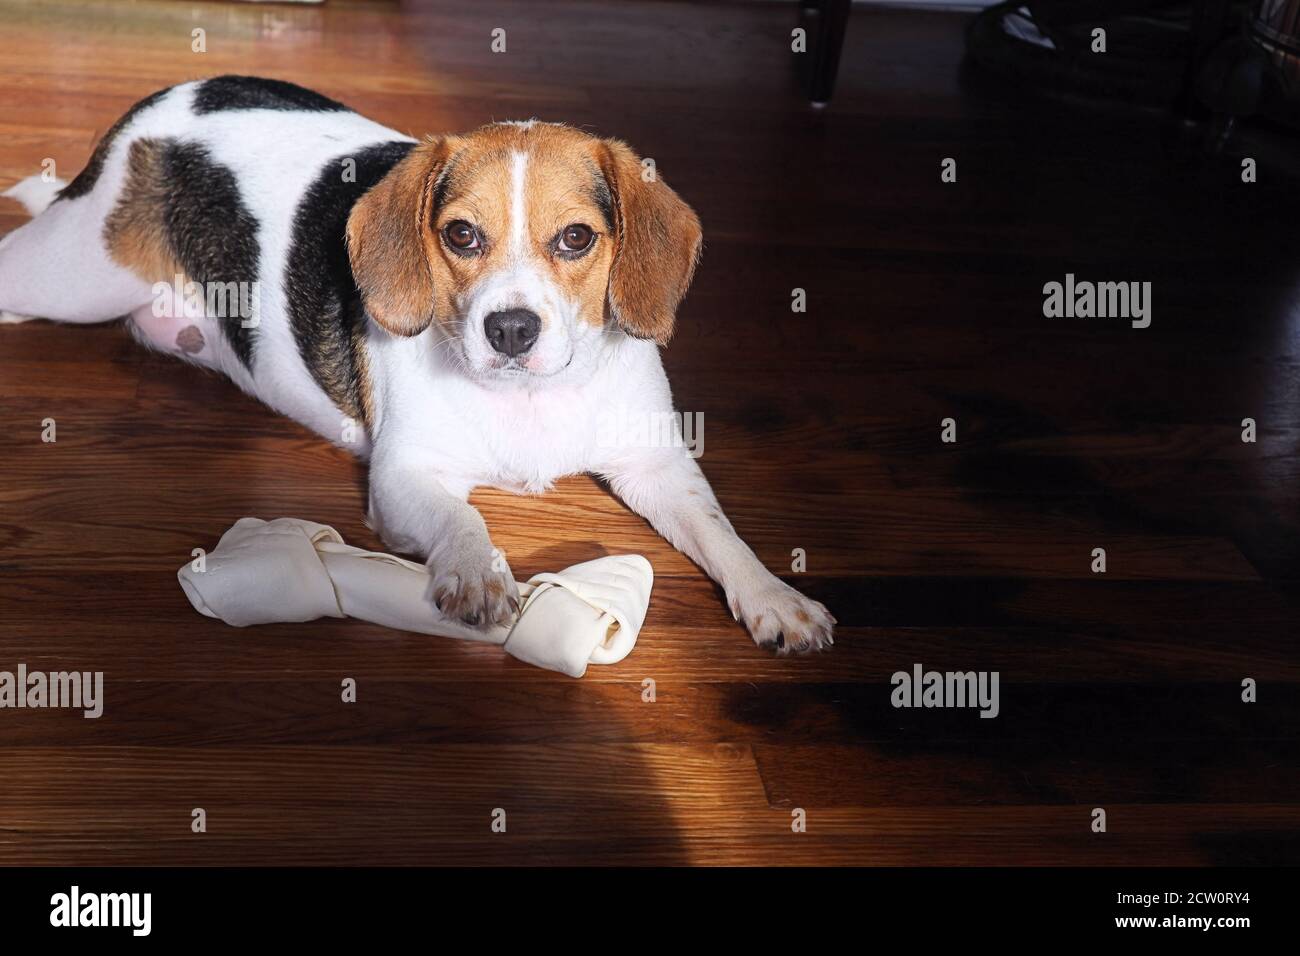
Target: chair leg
[[832, 23]]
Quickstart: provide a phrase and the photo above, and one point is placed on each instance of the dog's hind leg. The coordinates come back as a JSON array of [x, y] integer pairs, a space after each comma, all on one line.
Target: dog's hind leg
[[58, 265]]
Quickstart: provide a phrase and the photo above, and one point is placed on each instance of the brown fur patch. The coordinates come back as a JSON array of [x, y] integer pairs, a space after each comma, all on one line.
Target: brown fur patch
[[473, 181], [134, 231], [190, 340], [391, 245], [637, 270], [354, 396], [365, 387], [561, 191], [659, 239]]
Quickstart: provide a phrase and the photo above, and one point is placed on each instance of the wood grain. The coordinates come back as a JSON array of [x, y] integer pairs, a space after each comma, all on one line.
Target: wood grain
[[821, 432]]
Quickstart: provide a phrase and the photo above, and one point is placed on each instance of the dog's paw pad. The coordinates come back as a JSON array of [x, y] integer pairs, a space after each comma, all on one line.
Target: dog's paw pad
[[476, 592], [780, 618]]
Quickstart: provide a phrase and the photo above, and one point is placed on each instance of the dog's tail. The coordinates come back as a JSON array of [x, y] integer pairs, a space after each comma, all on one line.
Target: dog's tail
[[35, 193]]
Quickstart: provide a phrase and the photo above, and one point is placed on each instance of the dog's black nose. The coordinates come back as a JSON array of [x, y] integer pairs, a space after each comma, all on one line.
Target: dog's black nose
[[512, 332]]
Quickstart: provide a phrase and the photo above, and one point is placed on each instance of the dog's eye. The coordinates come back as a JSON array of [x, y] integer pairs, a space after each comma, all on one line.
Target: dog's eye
[[461, 236], [576, 238]]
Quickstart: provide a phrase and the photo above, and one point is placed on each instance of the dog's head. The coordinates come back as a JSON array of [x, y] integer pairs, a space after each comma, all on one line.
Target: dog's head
[[525, 243]]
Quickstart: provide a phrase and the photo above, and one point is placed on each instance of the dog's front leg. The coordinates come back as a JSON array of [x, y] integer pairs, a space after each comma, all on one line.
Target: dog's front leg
[[417, 509], [667, 488]]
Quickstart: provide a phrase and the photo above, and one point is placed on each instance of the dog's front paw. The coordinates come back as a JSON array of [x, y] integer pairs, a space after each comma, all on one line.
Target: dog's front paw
[[473, 583], [779, 617]]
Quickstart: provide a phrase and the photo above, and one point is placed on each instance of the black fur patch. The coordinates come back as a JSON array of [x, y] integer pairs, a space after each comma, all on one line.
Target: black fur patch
[[211, 231], [86, 179], [257, 93], [324, 304], [443, 184], [604, 199]]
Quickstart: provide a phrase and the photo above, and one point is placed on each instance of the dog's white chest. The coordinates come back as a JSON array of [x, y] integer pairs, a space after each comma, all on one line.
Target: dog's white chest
[[530, 439]]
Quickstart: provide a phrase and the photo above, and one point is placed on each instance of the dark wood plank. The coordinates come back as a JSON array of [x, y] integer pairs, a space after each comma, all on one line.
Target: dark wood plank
[[821, 432]]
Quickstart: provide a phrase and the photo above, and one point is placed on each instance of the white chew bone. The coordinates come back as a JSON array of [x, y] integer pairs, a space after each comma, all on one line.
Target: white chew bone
[[264, 572]]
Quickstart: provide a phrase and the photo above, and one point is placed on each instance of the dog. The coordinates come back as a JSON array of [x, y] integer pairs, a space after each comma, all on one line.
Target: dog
[[461, 311]]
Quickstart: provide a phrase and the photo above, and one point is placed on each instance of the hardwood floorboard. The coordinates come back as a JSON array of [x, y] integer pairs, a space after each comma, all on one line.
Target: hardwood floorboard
[[433, 804], [821, 432], [808, 729]]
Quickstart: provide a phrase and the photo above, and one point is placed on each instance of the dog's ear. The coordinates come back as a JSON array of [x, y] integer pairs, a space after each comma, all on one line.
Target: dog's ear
[[657, 244], [391, 245]]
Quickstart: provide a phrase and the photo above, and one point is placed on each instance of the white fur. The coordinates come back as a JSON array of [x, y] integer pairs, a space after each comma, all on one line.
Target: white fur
[[447, 417], [518, 205], [35, 193]]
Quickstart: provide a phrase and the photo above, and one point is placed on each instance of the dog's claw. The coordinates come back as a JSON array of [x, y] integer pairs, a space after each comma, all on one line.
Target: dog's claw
[[470, 584], [779, 617]]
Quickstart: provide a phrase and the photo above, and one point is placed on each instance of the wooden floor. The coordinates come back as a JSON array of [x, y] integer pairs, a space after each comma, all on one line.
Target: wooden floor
[[1120, 691]]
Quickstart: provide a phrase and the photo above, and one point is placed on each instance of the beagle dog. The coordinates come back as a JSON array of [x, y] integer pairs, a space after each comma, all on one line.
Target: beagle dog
[[464, 310]]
